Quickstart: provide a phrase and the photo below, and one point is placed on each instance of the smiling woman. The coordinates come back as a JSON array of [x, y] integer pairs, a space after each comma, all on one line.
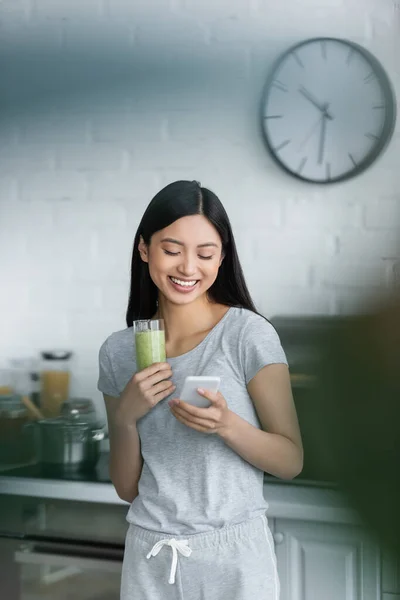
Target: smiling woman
[[189, 224], [194, 476], [181, 283], [183, 263]]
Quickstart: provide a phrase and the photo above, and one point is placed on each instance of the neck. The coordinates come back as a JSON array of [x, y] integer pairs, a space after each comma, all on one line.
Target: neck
[[184, 320]]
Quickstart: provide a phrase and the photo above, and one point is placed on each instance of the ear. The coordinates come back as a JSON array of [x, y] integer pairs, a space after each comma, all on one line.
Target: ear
[[222, 258], [143, 250]]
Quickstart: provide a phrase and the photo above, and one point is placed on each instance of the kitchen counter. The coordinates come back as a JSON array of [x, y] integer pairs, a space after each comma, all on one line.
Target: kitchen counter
[[297, 499]]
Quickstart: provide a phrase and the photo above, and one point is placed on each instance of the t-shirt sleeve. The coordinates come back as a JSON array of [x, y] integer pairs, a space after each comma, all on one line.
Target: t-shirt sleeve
[[261, 346], [106, 383]]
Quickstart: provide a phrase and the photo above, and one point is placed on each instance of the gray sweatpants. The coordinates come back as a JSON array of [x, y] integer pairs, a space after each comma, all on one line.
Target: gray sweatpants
[[234, 563]]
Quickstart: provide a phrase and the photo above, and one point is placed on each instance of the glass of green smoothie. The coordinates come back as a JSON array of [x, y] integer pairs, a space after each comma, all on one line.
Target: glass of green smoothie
[[149, 342]]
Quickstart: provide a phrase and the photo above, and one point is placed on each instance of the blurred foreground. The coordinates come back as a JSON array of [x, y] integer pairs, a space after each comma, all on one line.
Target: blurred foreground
[[357, 422]]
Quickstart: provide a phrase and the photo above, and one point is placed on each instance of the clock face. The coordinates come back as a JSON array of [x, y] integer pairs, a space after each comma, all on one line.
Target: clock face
[[328, 111]]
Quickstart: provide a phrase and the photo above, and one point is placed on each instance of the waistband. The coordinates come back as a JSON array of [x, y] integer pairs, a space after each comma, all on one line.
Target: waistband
[[217, 537]]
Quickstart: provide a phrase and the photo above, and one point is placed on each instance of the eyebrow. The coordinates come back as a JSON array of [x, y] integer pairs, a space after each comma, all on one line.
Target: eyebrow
[[172, 241]]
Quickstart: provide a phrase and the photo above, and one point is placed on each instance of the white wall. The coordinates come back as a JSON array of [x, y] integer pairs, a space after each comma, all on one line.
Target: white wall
[[102, 103]]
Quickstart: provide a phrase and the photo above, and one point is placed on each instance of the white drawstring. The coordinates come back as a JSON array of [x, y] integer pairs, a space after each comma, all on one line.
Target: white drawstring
[[181, 545]]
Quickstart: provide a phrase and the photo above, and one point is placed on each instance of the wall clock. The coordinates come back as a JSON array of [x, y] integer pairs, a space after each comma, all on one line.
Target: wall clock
[[328, 110]]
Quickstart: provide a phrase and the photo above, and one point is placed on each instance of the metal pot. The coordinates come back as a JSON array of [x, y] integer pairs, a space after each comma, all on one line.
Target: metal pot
[[68, 443]]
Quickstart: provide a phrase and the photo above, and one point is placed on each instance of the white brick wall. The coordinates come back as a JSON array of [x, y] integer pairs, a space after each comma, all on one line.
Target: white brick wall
[[105, 101]]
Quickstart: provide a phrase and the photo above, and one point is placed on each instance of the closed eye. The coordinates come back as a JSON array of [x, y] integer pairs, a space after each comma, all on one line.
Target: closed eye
[[176, 254]]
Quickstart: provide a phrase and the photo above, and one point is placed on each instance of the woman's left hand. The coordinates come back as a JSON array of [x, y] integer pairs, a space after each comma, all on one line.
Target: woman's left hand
[[213, 419]]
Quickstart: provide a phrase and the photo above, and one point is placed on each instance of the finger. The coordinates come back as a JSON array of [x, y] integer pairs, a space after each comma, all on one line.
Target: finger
[[212, 396], [152, 370], [202, 417], [199, 424], [149, 382], [162, 387], [164, 394], [193, 411]]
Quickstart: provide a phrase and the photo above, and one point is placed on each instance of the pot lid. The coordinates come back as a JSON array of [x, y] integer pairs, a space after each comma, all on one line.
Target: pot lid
[[56, 354], [76, 407], [65, 423]]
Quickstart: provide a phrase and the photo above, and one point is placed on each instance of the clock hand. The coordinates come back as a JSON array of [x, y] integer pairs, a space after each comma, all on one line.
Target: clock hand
[[322, 139], [322, 107], [311, 98], [312, 131]]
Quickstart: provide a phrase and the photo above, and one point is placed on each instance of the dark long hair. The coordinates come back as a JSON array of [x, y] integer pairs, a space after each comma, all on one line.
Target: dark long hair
[[177, 200]]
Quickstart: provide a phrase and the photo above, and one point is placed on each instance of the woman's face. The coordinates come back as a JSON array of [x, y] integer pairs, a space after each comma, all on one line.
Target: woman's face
[[184, 258]]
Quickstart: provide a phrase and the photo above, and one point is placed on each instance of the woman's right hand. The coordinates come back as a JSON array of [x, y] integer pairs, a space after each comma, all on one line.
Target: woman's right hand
[[144, 391]]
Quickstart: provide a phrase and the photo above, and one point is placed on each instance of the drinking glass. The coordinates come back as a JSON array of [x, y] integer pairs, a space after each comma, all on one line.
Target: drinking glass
[[149, 336]]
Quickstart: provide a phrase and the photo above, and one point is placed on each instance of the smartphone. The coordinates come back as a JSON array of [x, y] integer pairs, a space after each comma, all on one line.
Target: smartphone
[[189, 391]]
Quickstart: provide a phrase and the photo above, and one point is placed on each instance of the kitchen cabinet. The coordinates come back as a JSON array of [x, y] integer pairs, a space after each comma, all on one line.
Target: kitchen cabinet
[[390, 576], [324, 560], [54, 549], [10, 587], [75, 532], [59, 571]]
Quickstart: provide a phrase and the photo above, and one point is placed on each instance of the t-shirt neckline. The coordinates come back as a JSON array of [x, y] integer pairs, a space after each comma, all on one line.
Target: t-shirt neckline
[[205, 340]]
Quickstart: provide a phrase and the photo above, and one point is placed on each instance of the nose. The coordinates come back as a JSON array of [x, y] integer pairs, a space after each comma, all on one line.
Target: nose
[[187, 266]]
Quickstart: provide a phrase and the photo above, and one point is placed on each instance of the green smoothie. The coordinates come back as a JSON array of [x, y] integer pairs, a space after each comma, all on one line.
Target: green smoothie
[[150, 348]]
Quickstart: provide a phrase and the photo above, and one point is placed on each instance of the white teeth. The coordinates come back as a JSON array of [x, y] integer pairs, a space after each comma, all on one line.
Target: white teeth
[[184, 283]]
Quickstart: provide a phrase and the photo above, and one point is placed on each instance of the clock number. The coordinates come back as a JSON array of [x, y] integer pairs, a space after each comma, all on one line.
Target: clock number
[[302, 165], [298, 59], [379, 106], [369, 77], [323, 50], [273, 116], [280, 86], [282, 145], [350, 56], [372, 136], [352, 159]]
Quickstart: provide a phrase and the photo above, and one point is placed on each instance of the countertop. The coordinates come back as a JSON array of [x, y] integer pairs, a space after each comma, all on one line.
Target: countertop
[[297, 499]]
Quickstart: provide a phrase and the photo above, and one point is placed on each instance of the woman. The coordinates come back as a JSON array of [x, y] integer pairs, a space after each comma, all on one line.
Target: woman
[[194, 476]]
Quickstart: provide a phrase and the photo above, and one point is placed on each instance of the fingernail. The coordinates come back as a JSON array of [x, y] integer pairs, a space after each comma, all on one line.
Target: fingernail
[[200, 390]]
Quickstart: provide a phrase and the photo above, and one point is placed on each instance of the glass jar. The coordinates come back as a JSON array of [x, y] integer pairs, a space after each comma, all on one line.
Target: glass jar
[[6, 381], [55, 381], [16, 444], [26, 378]]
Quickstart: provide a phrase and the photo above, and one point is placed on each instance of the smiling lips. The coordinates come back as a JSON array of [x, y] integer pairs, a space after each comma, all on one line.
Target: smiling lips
[[182, 285]]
